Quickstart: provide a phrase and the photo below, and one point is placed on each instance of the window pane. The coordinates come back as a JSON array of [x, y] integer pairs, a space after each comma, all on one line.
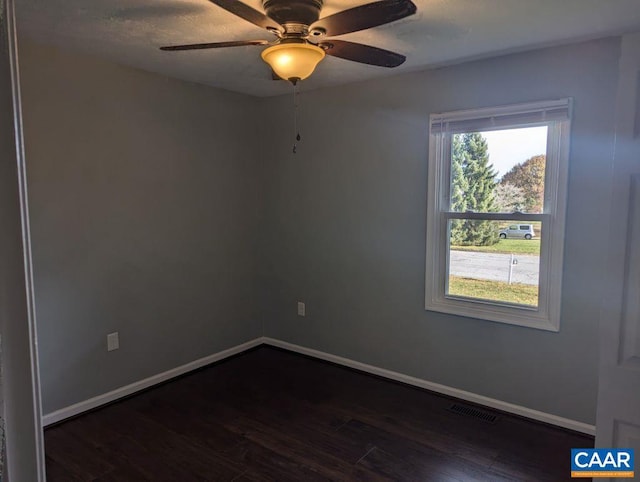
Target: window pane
[[494, 261], [498, 171]]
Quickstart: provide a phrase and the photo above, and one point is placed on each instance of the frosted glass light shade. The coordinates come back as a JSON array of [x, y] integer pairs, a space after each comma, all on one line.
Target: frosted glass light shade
[[293, 61]]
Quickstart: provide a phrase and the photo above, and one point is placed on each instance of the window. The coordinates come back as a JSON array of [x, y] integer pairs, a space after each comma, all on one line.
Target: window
[[495, 212]]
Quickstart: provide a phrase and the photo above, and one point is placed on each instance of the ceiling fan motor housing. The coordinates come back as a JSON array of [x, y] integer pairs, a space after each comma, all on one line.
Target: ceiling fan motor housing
[[303, 12]]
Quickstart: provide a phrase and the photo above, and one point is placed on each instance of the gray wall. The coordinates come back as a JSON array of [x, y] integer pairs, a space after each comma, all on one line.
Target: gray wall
[[348, 228], [169, 212], [145, 200]]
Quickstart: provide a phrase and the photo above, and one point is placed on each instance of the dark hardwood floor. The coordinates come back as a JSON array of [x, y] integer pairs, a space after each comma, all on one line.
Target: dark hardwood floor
[[273, 415]]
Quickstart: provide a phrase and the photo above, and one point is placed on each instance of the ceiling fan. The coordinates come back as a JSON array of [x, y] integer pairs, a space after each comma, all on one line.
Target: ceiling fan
[[301, 41]]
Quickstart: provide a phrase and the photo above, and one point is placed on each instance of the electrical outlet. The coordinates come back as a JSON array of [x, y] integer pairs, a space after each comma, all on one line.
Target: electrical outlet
[[113, 342], [301, 308]]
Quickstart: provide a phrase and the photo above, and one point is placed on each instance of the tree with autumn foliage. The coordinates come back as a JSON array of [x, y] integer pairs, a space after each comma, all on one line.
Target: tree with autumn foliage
[[528, 176]]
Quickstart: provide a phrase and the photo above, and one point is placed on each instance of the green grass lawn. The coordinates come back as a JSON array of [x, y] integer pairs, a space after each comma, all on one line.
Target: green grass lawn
[[508, 246], [494, 290]]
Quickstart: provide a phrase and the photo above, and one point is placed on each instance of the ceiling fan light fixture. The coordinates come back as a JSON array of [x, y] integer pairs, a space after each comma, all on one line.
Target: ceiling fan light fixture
[[293, 61]]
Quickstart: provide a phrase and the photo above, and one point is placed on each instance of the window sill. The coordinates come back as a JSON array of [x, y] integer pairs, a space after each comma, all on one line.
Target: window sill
[[518, 316]]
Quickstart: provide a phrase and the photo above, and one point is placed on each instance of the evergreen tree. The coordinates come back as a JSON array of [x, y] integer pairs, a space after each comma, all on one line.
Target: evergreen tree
[[459, 188], [472, 189]]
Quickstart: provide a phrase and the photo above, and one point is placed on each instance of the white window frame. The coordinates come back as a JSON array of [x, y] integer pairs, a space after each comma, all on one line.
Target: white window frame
[[555, 114]]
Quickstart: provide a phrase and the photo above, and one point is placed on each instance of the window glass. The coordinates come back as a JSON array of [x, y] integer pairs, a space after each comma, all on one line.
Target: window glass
[[518, 157], [487, 260], [498, 171], [504, 271]]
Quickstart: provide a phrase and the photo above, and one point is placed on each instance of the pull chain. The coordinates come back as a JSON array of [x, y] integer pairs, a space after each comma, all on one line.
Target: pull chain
[[296, 133]]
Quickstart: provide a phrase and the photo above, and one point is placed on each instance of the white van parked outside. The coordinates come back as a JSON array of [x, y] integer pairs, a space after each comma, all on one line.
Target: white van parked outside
[[518, 231]]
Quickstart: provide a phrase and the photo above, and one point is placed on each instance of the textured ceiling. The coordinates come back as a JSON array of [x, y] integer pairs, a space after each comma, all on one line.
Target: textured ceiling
[[443, 31]]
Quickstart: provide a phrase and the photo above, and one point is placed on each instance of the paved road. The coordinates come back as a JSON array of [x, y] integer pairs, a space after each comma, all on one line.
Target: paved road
[[494, 266]]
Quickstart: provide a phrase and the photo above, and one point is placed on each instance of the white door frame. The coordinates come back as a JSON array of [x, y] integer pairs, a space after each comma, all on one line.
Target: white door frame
[[21, 384]]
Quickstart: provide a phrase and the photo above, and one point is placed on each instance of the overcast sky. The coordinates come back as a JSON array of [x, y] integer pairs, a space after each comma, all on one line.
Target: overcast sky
[[510, 147]]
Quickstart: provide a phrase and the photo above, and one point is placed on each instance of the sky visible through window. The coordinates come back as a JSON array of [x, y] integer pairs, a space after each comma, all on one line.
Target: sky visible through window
[[513, 146]]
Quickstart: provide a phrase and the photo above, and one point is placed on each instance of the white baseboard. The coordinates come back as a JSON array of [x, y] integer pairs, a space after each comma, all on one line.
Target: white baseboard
[[121, 392], [118, 393], [438, 388]]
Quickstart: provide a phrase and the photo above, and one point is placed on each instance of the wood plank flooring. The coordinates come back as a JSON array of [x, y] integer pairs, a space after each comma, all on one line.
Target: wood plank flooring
[[274, 415]]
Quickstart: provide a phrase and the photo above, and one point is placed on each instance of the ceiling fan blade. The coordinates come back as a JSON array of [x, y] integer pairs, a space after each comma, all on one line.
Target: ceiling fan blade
[[365, 16], [244, 11], [216, 45], [365, 54]]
